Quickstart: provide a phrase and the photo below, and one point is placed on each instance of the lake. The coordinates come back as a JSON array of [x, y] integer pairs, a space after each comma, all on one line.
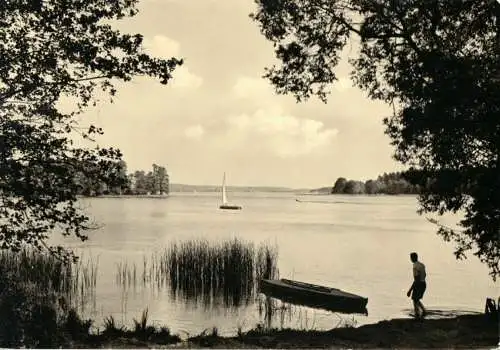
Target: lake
[[360, 244]]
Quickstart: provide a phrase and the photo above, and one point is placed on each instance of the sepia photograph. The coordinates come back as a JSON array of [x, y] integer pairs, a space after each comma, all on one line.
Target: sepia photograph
[[250, 174]]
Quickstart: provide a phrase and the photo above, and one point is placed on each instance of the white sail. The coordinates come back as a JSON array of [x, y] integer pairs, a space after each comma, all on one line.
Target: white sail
[[224, 196]]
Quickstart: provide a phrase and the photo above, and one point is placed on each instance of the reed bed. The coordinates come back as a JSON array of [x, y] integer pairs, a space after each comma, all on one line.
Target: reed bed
[[83, 281], [226, 272], [126, 274], [31, 266], [47, 274]]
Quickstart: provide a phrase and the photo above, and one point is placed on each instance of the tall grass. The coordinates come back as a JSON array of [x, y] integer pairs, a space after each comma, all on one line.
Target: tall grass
[[31, 266], [226, 272], [38, 295], [47, 274], [83, 282]]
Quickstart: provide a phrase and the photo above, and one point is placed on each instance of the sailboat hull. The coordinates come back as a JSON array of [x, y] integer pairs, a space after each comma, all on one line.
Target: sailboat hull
[[230, 207]]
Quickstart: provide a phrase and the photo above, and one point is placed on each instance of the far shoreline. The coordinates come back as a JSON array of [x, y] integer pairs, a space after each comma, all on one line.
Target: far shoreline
[[242, 191]]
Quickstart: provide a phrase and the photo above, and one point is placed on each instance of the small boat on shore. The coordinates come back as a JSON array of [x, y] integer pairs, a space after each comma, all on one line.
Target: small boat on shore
[[316, 296]]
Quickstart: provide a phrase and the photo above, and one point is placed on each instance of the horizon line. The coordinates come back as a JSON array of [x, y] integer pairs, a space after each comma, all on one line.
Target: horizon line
[[263, 186]]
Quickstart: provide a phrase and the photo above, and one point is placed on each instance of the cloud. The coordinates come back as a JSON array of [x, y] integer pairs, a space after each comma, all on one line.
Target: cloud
[[269, 128], [247, 87], [194, 131], [184, 79], [272, 130], [163, 47]]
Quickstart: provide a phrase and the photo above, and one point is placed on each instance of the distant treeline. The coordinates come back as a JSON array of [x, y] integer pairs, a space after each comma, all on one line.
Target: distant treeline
[[391, 183], [140, 182], [176, 187]]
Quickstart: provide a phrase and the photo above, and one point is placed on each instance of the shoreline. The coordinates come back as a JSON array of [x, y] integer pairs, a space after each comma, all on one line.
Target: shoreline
[[127, 196], [464, 331], [305, 194]]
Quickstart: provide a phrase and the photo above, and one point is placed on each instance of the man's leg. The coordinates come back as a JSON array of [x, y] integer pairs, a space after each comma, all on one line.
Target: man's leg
[[415, 307], [424, 311]]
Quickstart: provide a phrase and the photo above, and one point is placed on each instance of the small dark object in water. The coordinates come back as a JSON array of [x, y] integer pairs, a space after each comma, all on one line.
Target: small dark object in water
[[230, 207]]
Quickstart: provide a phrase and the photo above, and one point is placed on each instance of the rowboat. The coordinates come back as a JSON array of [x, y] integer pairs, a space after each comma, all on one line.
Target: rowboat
[[315, 296]]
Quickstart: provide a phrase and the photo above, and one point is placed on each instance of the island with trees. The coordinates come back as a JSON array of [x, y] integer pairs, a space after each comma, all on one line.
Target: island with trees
[[388, 183], [153, 182]]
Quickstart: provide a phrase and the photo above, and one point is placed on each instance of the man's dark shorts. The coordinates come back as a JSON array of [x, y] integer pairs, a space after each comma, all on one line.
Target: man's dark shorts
[[418, 290]]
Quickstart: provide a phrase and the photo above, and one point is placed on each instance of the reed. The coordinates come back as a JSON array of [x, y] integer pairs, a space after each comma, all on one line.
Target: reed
[[38, 296], [266, 266], [48, 274], [44, 270], [226, 272], [84, 282]]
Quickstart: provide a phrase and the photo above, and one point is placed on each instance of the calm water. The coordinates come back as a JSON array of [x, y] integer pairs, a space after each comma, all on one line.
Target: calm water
[[359, 244]]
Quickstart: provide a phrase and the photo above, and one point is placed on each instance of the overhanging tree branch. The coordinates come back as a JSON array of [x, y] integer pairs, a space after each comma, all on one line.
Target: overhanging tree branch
[[30, 88]]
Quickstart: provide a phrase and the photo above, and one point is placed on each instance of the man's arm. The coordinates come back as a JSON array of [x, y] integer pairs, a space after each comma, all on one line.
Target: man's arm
[[415, 279], [411, 288]]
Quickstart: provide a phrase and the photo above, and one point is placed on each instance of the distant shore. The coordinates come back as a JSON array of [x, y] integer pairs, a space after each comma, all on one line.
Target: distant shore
[[296, 193], [127, 196], [465, 331]]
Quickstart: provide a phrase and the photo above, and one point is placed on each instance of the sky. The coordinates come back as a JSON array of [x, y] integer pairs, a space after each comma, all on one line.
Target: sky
[[219, 115]]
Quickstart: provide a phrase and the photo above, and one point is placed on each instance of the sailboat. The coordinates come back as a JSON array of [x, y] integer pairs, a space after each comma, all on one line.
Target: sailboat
[[225, 204]]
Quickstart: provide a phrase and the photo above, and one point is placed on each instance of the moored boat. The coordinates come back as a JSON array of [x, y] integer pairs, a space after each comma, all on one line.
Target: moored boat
[[316, 296]]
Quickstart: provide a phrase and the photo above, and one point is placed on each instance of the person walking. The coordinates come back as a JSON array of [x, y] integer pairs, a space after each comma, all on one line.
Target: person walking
[[418, 287]]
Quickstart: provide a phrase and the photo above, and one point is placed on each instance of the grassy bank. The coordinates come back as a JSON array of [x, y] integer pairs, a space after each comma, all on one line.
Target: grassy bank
[[465, 331]]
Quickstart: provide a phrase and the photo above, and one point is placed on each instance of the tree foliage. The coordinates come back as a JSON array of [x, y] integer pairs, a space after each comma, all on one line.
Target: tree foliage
[[94, 186], [438, 64], [50, 50], [160, 179], [388, 183], [339, 185], [136, 183]]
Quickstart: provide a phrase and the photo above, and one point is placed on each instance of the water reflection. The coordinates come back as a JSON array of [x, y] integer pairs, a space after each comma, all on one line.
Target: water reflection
[[279, 314], [229, 297]]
